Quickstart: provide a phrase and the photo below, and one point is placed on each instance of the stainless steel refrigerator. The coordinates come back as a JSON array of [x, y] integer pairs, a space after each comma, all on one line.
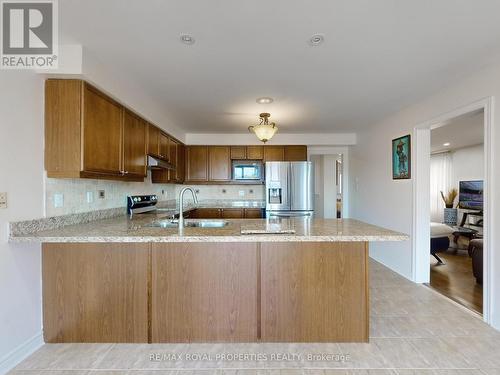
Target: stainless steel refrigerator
[[289, 189]]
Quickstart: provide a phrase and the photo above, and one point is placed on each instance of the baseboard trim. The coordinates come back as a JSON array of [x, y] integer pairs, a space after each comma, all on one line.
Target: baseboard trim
[[12, 359]]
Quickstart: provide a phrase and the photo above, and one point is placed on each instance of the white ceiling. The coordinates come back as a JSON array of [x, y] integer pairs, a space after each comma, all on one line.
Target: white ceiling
[[463, 131], [378, 56]]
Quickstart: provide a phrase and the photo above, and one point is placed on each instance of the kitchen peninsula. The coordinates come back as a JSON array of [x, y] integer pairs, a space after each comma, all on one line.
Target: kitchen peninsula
[[250, 280]]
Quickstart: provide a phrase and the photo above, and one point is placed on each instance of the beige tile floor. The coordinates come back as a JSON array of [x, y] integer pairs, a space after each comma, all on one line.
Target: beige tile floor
[[414, 330]]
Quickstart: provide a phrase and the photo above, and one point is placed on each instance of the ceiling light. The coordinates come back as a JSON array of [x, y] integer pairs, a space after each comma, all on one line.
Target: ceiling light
[[187, 39], [446, 144], [265, 100], [265, 130], [316, 39]]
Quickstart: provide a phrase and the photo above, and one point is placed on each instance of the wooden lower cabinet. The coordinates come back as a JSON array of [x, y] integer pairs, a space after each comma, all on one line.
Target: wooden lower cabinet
[[253, 213], [95, 292], [314, 292], [206, 213], [232, 213], [204, 292], [226, 213]]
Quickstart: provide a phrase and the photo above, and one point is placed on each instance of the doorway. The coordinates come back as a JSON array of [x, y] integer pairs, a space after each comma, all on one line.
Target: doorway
[[456, 209], [421, 196], [331, 196]]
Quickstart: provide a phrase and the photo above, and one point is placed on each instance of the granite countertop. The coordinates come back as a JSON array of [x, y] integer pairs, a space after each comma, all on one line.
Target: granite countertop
[[139, 229]]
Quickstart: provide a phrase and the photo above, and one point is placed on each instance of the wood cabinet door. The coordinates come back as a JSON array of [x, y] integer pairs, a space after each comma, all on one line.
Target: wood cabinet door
[[197, 163], [238, 152], [274, 153], [153, 140], [164, 146], [181, 163], [232, 213], [329, 298], [95, 292], [102, 133], [295, 153], [172, 149], [134, 145], [219, 163], [253, 213], [204, 292], [207, 213], [255, 152]]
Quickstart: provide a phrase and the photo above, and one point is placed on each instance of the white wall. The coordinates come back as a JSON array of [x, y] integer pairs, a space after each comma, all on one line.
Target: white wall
[[467, 164], [21, 176], [380, 200]]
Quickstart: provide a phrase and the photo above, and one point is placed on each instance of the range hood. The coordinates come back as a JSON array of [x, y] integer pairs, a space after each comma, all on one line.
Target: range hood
[[156, 163]]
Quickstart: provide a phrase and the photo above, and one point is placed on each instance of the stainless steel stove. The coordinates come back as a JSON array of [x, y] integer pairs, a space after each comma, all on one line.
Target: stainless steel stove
[[137, 204]]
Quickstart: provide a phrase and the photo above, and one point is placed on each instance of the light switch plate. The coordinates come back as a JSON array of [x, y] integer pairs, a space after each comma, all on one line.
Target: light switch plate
[[241, 193], [3, 200], [58, 200]]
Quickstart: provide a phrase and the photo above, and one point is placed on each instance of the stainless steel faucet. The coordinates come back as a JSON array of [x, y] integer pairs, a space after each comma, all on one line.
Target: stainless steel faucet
[[181, 204]]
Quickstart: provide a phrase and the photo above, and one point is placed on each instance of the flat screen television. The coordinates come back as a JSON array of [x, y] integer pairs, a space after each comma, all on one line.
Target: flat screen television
[[471, 195]]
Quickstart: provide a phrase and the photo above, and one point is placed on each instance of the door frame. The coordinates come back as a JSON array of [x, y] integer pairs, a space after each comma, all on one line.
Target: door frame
[[421, 196], [336, 150]]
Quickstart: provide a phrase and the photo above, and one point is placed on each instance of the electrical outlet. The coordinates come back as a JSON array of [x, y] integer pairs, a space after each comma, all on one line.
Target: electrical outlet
[[90, 196], [241, 193], [102, 194], [58, 200], [3, 200]]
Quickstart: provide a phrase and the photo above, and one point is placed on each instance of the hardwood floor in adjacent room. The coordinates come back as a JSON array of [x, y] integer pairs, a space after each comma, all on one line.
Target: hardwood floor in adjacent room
[[414, 330], [455, 280]]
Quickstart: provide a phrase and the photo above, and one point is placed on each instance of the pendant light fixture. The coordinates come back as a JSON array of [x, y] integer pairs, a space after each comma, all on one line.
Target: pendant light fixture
[[265, 130]]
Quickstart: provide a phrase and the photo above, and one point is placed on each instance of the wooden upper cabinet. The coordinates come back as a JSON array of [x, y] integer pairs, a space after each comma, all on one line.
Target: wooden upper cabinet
[[172, 158], [90, 135], [238, 152], [181, 163], [255, 152], [63, 148], [153, 140], [197, 163], [177, 159], [219, 163], [274, 153], [295, 153], [134, 145], [102, 133], [164, 146]]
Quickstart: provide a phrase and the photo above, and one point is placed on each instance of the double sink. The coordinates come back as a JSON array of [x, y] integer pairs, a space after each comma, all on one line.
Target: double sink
[[168, 223]]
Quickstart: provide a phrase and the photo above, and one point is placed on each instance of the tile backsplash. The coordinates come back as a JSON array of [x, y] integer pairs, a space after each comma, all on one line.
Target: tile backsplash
[[232, 192], [70, 196]]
